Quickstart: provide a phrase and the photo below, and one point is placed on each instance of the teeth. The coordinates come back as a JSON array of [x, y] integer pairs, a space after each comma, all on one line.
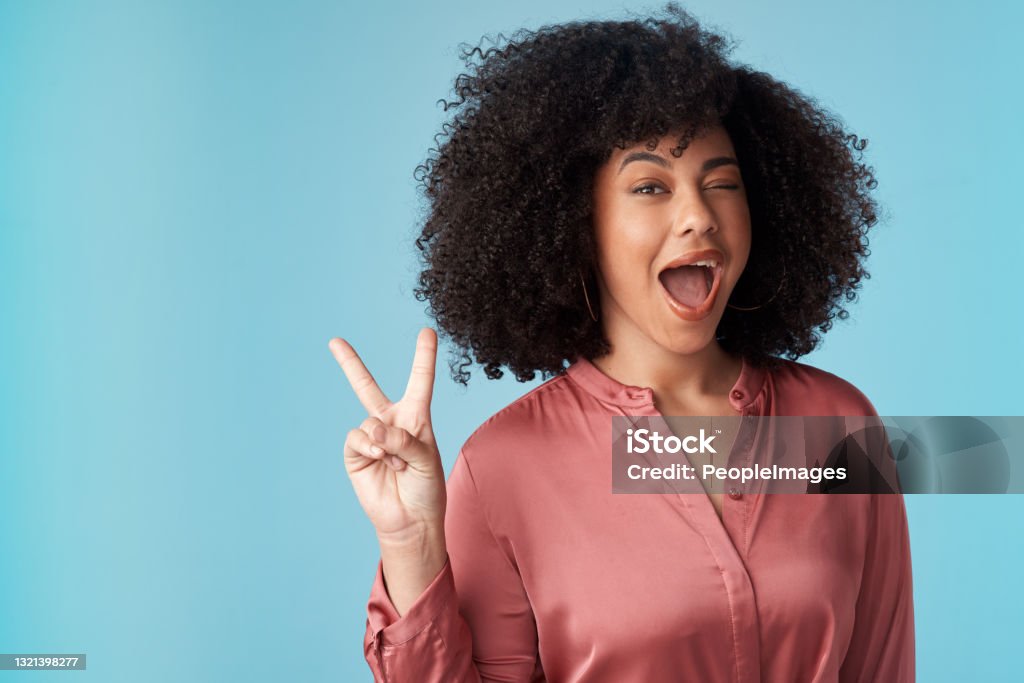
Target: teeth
[[707, 262]]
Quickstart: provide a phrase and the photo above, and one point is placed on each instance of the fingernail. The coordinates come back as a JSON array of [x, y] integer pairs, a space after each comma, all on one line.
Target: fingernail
[[397, 462], [379, 434], [376, 450]]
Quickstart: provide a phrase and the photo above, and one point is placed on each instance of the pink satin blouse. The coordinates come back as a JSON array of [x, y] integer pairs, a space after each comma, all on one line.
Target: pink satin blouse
[[551, 577]]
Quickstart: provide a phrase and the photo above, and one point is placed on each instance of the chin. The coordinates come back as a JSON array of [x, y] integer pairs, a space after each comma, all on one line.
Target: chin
[[692, 341]]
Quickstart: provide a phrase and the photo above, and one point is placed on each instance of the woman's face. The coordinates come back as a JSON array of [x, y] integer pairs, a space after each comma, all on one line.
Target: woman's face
[[673, 237]]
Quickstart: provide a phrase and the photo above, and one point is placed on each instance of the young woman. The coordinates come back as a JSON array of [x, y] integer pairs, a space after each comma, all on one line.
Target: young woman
[[659, 232]]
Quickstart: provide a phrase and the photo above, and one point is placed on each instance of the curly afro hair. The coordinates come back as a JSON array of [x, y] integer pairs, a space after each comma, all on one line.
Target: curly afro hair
[[509, 187]]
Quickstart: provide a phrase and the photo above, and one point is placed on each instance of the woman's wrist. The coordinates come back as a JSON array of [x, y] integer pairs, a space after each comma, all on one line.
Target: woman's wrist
[[411, 562], [413, 537]]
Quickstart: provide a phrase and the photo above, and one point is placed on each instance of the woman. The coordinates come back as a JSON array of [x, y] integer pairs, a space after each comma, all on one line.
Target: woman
[[617, 197]]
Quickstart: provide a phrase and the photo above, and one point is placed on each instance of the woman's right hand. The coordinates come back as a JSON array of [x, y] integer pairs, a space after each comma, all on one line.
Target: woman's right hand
[[392, 458]]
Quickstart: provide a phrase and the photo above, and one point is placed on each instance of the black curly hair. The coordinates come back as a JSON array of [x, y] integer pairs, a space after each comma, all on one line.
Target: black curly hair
[[510, 188]]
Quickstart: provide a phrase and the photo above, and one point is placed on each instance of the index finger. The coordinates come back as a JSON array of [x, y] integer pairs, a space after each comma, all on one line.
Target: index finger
[[367, 391], [421, 378]]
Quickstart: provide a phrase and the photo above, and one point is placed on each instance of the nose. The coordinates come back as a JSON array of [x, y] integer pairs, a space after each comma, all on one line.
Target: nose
[[694, 216]]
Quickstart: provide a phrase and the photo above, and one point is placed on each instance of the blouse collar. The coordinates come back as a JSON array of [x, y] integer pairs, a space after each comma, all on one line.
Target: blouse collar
[[750, 384]]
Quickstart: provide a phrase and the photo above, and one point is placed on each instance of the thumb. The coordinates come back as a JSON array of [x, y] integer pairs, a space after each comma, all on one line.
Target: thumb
[[401, 442]]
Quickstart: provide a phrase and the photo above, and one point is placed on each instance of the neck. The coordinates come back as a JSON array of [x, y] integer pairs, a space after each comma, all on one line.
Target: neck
[[678, 377]]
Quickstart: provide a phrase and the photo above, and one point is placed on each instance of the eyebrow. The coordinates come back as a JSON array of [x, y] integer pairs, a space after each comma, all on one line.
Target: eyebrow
[[664, 163]]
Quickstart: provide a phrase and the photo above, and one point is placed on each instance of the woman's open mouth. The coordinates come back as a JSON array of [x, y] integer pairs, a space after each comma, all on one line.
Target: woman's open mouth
[[691, 283]]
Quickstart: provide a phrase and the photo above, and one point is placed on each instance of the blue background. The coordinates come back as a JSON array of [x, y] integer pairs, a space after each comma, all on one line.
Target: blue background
[[195, 196]]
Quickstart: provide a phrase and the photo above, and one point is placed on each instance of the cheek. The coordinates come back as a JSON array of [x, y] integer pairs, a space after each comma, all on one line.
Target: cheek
[[742, 245], [739, 237], [626, 246]]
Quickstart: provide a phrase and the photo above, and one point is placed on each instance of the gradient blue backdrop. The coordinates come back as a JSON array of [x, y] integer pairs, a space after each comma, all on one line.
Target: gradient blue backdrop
[[195, 196]]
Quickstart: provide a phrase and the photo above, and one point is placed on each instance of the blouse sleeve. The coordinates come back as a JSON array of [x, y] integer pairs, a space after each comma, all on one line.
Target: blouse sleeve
[[472, 624], [882, 645]]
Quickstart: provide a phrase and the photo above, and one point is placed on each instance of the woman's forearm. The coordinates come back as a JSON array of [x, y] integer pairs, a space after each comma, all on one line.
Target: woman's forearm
[[410, 564]]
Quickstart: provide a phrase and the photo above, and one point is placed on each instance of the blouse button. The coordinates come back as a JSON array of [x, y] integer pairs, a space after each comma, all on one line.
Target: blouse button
[[737, 394], [735, 494]]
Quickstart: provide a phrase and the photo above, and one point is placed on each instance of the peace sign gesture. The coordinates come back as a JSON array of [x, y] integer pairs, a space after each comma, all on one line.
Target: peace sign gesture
[[392, 458]]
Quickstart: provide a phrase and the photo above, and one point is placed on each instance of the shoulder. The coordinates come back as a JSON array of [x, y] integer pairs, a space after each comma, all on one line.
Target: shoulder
[[533, 416], [548, 427], [802, 389]]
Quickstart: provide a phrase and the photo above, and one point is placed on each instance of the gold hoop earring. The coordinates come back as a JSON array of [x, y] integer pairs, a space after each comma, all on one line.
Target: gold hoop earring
[[586, 298], [782, 281]]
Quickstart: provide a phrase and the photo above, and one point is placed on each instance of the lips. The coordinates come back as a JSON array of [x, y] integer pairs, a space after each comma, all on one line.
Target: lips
[[690, 283]]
